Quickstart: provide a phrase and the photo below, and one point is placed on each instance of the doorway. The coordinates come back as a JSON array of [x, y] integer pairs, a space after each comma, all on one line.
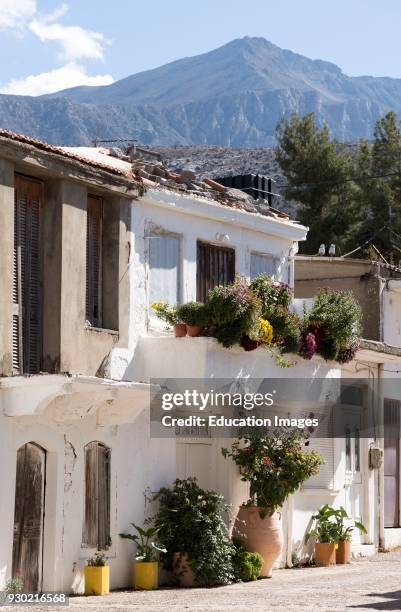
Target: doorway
[[29, 515]]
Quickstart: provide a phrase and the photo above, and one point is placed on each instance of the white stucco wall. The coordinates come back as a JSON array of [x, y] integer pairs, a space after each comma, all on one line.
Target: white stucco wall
[[192, 218], [391, 300], [137, 464]]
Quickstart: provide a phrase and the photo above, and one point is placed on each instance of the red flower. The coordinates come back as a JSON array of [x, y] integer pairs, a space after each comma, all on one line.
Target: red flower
[[266, 461]]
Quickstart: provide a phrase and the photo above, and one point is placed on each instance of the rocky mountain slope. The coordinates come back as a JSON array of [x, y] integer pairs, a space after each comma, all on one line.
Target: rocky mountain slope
[[232, 96]]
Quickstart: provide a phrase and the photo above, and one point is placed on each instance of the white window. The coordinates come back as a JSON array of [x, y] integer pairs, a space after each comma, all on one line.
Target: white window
[[263, 264], [164, 268]]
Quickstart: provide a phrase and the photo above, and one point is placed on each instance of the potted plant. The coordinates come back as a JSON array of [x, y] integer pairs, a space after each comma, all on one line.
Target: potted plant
[[195, 316], [97, 575], [168, 313], [146, 569], [193, 531], [234, 311], [275, 466], [333, 326], [344, 535], [325, 532], [276, 298]]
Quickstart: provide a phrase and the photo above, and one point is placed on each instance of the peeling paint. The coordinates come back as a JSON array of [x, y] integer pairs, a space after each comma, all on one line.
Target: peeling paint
[[70, 457]]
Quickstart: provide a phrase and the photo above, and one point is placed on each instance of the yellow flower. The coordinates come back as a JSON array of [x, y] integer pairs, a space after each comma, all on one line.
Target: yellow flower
[[266, 331]]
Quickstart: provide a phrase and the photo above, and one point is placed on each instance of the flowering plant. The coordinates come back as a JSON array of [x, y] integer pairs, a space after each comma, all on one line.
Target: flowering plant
[[275, 466], [191, 522], [332, 327], [234, 311], [271, 293], [165, 312], [265, 332]]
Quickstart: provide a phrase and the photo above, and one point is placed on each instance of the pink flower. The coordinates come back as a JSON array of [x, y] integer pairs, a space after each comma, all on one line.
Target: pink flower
[[266, 461]]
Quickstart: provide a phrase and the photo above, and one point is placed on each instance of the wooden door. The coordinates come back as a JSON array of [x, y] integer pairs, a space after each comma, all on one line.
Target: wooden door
[[27, 289], [29, 516], [215, 266], [391, 463]]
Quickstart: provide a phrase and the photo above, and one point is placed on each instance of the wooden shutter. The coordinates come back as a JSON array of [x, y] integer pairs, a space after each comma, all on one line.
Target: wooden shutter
[[96, 529], [215, 266], [94, 262], [27, 282], [103, 469], [28, 516]]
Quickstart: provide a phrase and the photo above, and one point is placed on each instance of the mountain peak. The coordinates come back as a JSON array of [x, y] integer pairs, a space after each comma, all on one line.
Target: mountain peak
[[232, 96]]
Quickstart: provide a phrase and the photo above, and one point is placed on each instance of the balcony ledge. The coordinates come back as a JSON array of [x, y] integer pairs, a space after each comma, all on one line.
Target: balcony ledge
[[203, 357], [64, 398]]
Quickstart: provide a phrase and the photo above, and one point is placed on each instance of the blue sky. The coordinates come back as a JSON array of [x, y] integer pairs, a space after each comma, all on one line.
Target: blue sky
[[47, 45]]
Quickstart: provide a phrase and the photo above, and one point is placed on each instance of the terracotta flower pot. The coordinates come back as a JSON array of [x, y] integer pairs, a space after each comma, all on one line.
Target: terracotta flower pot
[[180, 330], [343, 553], [182, 570], [260, 535], [325, 553], [193, 330]]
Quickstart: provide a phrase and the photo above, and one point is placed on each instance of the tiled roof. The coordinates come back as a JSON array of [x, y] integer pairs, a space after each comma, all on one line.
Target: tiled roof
[[153, 174], [64, 152]]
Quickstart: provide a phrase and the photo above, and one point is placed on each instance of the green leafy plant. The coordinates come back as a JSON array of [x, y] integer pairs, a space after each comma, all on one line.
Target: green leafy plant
[[190, 521], [165, 312], [276, 298], [344, 533], [335, 323], [275, 466], [325, 526], [193, 313], [147, 550], [98, 560], [247, 565], [14, 585], [234, 311], [271, 293]]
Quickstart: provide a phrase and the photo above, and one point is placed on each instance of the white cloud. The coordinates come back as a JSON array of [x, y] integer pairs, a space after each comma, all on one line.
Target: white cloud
[[70, 75], [76, 44], [75, 41], [14, 14]]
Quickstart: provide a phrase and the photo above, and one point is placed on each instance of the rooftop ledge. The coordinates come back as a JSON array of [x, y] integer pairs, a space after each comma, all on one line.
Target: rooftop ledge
[[378, 352], [65, 398]]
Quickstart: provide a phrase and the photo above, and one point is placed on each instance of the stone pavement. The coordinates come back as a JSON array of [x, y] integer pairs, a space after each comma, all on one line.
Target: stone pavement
[[367, 584]]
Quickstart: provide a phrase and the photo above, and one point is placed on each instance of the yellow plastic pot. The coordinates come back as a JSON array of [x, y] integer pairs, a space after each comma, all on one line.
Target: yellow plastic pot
[[146, 574], [97, 580]]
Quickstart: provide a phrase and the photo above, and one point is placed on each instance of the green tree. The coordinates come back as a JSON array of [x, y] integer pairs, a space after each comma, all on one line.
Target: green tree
[[318, 172]]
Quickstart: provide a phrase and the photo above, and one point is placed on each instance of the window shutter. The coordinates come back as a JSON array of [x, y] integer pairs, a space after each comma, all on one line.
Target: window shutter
[[27, 291], [90, 523], [94, 262], [263, 264], [325, 477], [164, 269], [103, 497], [215, 266], [96, 529]]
